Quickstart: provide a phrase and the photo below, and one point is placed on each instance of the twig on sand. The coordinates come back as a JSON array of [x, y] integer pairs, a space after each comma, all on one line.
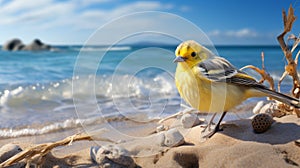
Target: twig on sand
[[39, 152]]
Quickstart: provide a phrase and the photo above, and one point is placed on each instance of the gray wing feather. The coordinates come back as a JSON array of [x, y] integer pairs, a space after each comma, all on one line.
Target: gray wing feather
[[220, 70]]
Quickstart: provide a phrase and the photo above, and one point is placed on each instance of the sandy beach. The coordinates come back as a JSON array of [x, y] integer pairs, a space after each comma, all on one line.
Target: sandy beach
[[236, 146], [132, 84]]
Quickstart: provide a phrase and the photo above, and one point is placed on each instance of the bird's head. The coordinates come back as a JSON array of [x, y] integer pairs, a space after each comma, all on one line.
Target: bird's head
[[191, 53]]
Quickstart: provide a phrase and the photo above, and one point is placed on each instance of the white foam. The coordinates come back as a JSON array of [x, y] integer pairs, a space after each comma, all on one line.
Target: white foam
[[91, 48], [67, 124]]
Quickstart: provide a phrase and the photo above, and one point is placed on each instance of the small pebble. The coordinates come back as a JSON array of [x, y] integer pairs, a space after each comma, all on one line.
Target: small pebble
[[160, 128], [160, 139], [111, 156], [8, 150], [173, 138], [297, 142], [189, 120], [262, 122]]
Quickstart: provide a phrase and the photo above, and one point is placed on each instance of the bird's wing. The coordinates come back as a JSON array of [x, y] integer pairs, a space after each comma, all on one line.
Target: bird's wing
[[220, 70]]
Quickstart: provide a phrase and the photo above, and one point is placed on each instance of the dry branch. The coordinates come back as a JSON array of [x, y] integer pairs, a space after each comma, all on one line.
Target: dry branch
[[291, 67], [265, 76], [39, 151]]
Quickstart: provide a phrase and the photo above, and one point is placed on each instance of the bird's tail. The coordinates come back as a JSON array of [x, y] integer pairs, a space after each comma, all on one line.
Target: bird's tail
[[280, 97]]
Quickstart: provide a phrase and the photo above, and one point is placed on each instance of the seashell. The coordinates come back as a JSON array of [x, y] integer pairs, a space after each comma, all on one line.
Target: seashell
[[8, 150], [173, 138], [267, 108], [258, 107], [262, 122], [272, 108], [189, 120]]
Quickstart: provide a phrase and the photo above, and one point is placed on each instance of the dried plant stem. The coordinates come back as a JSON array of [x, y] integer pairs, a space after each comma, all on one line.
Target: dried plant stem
[[291, 67], [39, 151], [265, 76]]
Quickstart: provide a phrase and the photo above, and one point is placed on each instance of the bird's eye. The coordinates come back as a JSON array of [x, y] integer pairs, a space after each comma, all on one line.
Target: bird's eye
[[193, 54]]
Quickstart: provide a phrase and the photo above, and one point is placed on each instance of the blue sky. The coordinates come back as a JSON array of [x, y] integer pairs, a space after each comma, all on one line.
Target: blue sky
[[74, 21]]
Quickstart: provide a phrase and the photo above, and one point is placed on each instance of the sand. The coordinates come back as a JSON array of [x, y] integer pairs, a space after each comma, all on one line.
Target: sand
[[236, 146]]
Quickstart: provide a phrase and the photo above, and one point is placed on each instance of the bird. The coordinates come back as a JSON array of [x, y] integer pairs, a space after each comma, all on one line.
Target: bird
[[211, 84]]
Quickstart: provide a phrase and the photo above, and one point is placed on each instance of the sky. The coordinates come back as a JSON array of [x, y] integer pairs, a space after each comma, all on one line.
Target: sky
[[228, 22]]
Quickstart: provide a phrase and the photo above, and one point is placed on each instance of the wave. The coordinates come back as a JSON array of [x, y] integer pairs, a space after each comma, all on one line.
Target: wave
[[105, 86], [12, 133], [57, 126], [101, 48], [81, 97]]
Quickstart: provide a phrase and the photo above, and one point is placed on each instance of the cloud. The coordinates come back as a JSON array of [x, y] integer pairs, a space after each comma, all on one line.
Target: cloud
[[69, 13], [242, 36], [91, 2], [241, 33], [87, 18], [20, 12], [184, 8], [71, 19]]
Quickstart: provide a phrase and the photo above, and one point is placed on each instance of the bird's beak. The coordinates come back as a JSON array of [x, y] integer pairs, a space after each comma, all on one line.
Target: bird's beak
[[179, 59]]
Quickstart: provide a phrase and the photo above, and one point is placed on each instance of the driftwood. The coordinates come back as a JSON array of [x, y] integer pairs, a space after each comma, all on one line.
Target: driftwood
[[38, 152], [291, 67], [265, 76]]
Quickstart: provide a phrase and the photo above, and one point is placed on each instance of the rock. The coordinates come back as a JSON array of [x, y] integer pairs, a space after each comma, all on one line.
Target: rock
[[173, 138], [189, 120], [17, 45], [160, 128], [13, 45], [36, 45], [8, 150], [160, 139], [111, 156], [297, 142], [262, 122]]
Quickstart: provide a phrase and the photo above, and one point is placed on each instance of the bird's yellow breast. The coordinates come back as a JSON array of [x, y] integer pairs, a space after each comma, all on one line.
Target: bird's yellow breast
[[205, 95]]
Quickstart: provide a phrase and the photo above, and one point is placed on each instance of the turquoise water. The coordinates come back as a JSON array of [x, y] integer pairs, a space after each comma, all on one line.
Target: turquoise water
[[47, 91]]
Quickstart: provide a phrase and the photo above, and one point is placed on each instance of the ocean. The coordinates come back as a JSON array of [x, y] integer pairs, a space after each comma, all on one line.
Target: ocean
[[74, 86]]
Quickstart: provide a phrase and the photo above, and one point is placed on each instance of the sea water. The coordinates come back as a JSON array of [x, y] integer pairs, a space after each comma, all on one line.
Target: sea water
[[71, 86]]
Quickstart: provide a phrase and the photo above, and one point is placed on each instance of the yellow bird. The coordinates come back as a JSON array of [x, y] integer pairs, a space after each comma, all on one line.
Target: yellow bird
[[211, 84]]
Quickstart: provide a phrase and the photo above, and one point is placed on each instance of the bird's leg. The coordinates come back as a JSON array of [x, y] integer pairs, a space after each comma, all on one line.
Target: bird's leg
[[210, 133], [217, 128], [208, 126]]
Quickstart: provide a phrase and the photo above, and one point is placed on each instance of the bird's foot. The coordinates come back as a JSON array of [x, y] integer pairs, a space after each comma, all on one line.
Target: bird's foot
[[209, 131], [207, 127]]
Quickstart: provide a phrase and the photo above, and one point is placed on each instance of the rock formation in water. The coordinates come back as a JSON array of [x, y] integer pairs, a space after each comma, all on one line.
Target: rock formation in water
[[17, 45]]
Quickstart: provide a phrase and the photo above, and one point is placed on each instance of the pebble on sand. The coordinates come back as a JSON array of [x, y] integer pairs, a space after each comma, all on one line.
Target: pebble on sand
[[189, 120], [8, 150], [111, 156], [173, 138]]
